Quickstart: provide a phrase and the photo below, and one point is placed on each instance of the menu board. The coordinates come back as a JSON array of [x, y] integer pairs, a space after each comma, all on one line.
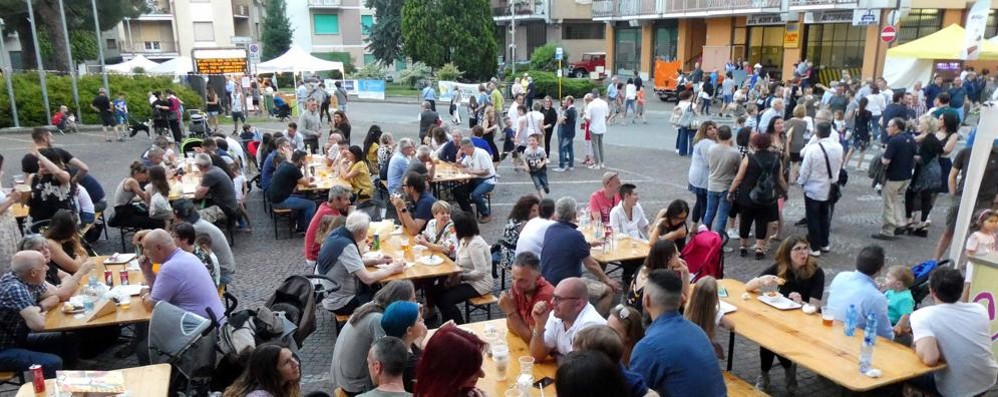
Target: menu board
[[220, 61]]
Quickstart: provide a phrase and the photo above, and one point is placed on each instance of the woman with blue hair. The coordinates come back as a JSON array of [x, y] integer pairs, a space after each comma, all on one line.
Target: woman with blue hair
[[404, 320]]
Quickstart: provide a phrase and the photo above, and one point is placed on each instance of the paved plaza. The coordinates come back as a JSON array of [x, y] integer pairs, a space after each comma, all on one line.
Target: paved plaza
[[642, 153]]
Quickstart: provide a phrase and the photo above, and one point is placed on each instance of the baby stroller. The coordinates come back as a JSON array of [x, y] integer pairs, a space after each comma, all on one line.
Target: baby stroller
[[282, 112], [704, 254], [186, 341], [188, 145], [198, 123], [296, 297]]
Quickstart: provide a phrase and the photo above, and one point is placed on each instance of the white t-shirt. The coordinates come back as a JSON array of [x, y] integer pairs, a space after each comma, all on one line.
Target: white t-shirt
[[238, 182], [596, 113], [535, 123], [634, 227], [513, 113], [560, 339], [481, 160], [83, 201], [630, 91], [982, 244], [962, 332], [532, 236]]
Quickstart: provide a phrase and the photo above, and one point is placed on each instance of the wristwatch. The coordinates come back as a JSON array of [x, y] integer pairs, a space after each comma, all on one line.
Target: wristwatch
[[404, 210]]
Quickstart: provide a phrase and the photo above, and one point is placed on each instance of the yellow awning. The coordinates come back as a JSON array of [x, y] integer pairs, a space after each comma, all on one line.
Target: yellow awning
[[944, 44]]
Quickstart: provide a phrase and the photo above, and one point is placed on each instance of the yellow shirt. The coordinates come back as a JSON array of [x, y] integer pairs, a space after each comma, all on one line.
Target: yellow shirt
[[372, 156], [361, 182]]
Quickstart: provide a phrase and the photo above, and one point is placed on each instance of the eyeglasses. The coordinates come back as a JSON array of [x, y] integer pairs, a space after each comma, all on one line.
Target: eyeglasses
[[800, 248], [558, 299]]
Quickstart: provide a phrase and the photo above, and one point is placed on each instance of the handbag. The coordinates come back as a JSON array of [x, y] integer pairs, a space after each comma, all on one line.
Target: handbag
[[929, 177], [687, 118], [834, 192]]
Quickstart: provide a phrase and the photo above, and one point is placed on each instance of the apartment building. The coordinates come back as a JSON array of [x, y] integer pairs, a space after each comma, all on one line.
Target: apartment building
[[568, 23], [323, 26], [715, 31], [173, 28]]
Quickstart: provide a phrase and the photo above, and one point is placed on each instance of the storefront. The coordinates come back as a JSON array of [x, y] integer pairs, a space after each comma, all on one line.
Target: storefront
[[627, 49], [834, 44], [765, 42]]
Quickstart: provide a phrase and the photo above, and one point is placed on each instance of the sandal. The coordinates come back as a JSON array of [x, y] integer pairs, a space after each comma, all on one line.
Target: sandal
[[760, 254], [743, 252]]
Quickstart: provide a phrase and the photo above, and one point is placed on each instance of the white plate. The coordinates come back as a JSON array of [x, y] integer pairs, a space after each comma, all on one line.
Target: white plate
[[431, 260], [725, 307], [779, 302], [372, 255], [130, 290]]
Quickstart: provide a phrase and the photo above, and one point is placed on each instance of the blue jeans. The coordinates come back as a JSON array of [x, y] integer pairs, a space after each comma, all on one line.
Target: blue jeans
[[540, 179], [685, 141], [305, 208], [566, 153], [44, 349], [718, 208], [479, 187]]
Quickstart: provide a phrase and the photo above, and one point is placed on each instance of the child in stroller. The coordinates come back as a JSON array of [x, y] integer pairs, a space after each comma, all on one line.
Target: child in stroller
[[198, 123]]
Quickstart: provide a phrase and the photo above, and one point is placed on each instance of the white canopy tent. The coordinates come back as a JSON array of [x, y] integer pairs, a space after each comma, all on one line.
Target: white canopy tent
[[178, 66], [297, 60], [127, 67]]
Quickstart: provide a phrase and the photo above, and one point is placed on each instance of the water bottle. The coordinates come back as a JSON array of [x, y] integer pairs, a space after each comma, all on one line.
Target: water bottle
[[866, 351], [90, 293], [851, 320]]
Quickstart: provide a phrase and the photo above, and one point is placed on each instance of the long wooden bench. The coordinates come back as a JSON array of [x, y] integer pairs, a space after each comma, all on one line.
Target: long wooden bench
[[481, 302], [738, 387]]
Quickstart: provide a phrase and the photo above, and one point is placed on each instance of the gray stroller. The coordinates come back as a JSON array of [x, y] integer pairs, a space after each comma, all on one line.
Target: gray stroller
[[186, 341]]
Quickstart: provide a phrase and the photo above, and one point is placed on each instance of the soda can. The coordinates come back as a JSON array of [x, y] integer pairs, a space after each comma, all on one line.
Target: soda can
[[124, 277], [109, 278], [37, 379]]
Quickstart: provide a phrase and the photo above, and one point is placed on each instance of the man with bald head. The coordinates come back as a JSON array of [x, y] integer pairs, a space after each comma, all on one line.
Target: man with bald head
[[182, 279], [553, 334], [24, 296]]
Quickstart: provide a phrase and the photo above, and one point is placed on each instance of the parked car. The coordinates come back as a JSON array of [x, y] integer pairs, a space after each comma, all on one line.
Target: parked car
[[589, 63]]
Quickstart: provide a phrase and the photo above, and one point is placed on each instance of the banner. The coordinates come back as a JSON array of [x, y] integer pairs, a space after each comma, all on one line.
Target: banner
[[984, 290], [371, 89], [445, 89], [977, 21]]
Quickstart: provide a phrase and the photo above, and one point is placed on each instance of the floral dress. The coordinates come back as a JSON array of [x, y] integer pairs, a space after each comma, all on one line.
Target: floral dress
[[507, 244], [445, 237], [9, 235]]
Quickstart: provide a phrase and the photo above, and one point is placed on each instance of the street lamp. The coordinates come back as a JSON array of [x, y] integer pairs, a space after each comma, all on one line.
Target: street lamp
[[512, 32], [8, 74]]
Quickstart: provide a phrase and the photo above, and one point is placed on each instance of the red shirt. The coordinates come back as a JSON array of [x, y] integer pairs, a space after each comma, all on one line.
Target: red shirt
[[599, 204], [524, 305], [312, 247]]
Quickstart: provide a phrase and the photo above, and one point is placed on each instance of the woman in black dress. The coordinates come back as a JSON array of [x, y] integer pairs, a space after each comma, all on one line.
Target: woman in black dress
[[761, 160], [550, 121], [52, 188]]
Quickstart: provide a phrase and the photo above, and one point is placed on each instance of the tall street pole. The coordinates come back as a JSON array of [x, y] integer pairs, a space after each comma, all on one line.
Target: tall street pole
[[8, 75], [38, 62], [72, 64], [512, 32], [100, 48]]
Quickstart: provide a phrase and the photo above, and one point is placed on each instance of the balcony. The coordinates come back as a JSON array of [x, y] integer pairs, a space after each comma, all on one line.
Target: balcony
[[800, 5], [647, 9], [325, 3], [159, 10], [240, 9], [522, 9]]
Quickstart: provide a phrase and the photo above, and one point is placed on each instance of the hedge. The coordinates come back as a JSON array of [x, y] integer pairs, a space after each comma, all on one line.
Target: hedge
[[546, 83], [30, 109]]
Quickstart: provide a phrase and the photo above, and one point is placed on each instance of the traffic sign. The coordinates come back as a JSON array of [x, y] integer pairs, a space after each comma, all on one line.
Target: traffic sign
[[559, 53], [888, 34], [254, 51]]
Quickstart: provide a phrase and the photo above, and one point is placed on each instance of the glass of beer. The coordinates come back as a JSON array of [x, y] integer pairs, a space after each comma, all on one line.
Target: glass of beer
[[826, 316]]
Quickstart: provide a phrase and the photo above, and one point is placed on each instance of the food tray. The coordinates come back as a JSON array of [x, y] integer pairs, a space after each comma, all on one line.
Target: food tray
[[779, 302]]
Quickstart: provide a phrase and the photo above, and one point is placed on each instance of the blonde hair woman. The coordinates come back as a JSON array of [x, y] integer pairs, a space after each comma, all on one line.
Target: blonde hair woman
[[438, 235]]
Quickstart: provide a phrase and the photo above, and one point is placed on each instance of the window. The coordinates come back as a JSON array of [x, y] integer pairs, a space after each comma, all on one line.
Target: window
[[152, 46], [112, 44], [919, 23], [326, 23], [991, 30], [369, 59], [400, 64], [835, 46], [627, 51], [765, 46], [366, 24], [582, 31], [204, 31]]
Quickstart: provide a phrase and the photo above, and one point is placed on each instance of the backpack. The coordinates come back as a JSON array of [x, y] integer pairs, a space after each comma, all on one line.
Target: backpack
[[764, 191]]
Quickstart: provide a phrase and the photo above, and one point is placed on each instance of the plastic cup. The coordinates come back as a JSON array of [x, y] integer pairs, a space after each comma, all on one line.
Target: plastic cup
[[500, 356], [514, 393], [826, 317], [526, 364]]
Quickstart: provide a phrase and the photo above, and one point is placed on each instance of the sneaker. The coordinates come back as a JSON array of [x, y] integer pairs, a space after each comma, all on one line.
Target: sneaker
[[762, 382], [816, 254], [485, 219], [801, 222], [826, 249], [592, 166], [732, 234], [571, 168], [559, 169]]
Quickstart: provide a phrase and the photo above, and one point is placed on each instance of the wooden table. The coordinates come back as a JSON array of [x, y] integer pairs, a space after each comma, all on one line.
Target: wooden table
[[148, 381], [325, 177], [624, 248], [185, 187], [391, 246], [824, 350], [449, 173], [57, 321], [517, 348]]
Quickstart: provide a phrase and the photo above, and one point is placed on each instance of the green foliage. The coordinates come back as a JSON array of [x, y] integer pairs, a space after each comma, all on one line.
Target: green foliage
[[543, 58], [449, 72], [371, 71], [83, 44], [415, 74], [546, 83], [461, 32], [343, 57], [31, 110], [277, 30], [385, 40]]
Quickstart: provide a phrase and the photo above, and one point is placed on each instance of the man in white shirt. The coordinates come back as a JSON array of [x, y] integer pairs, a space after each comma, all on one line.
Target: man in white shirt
[[478, 162], [955, 332], [572, 312], [513, 112], [535, 123], [532, 235], [627, 217], [775, 110], [596, 114], [819, 170]]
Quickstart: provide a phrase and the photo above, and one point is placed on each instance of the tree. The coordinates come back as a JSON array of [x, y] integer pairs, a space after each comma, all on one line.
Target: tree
[[79, 21], [385, 38], [277, 30], [451, 31]]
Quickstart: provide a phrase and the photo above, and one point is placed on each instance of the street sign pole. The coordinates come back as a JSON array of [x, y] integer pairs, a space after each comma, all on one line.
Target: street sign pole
[[559, 54]]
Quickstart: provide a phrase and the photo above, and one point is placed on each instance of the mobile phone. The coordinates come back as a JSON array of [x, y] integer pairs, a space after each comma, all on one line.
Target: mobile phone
[[544, 382], [722, 292]]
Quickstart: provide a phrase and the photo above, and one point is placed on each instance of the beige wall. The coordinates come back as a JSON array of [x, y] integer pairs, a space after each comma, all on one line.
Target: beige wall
[[569, 9], [218, 12], [574, 48]]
